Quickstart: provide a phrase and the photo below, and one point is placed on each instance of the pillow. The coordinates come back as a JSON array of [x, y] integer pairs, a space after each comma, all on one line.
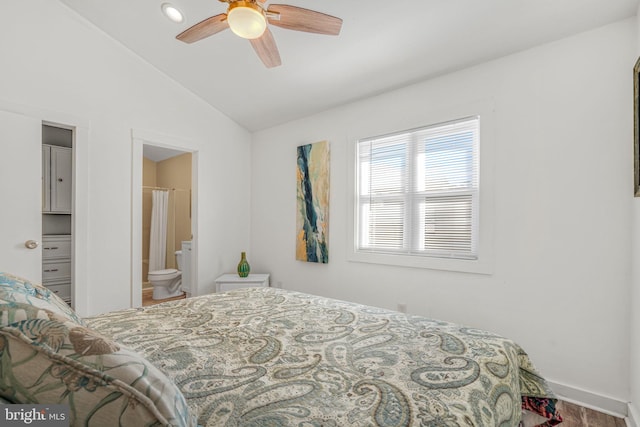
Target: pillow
[[17, 289], [49, 356]]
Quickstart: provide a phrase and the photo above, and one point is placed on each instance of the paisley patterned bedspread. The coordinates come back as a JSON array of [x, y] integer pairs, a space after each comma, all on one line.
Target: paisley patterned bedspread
[[273, 358]]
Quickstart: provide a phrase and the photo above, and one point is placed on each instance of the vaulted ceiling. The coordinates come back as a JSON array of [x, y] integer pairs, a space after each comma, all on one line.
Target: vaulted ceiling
[[383, 45]]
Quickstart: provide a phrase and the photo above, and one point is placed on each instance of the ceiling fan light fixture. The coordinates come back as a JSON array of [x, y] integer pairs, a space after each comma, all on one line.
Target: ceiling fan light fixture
[[246, 19], [172, 12]]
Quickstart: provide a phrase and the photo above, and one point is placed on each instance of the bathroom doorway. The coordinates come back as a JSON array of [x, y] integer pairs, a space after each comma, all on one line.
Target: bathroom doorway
[[164, 223], [166, 213]]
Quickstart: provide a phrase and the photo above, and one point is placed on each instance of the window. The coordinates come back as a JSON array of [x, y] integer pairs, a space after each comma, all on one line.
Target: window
[[418, 192]]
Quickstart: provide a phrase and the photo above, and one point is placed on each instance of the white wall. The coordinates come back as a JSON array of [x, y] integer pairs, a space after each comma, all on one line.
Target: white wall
[[634, 406], [563, 163], [55, 61]]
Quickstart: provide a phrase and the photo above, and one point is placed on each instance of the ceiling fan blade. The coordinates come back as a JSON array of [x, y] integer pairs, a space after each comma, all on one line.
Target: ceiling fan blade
[[206, 28], [265, 47], [299, 19]]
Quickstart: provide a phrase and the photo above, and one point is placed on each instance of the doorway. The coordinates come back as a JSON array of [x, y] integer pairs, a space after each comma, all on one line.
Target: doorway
[[21, 129], [166, 213], [168, 168], [57, 211]]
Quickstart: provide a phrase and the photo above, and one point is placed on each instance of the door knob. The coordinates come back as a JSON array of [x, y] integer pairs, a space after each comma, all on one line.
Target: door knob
[[31, 244]]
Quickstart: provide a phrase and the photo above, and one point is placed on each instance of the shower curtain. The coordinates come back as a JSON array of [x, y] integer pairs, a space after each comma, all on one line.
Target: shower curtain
[[158, 238]]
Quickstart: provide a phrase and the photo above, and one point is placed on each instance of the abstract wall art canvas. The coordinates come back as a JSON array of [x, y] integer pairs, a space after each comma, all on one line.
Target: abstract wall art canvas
[[312, 221]]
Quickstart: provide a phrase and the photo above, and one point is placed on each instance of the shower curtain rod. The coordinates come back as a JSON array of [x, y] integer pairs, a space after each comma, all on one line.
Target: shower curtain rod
[[146, 187]]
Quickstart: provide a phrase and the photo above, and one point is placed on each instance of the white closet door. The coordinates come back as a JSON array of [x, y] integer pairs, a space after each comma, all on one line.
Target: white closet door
[[20, 195]]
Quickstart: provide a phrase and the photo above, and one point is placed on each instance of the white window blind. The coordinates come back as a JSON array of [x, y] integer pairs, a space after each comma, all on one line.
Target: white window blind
[[418, 191]]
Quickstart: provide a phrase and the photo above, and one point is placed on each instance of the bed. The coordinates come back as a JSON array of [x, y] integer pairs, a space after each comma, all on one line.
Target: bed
[[262, 357]]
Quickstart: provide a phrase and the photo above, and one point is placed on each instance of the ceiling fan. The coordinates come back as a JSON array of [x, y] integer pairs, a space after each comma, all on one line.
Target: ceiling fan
[[248, 19]]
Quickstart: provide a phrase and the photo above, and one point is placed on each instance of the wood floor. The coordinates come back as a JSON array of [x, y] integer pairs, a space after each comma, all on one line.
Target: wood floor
[[147, 297], [577, 416]]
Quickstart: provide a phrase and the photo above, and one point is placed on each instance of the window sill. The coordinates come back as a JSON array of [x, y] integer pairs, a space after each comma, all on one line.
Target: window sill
[[478, 266]]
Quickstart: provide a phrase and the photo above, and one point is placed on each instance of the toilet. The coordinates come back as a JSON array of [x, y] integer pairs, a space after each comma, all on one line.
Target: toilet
[[166, 283]]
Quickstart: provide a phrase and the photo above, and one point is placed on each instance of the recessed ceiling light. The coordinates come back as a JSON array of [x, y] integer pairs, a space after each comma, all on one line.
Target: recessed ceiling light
[[172, 12]]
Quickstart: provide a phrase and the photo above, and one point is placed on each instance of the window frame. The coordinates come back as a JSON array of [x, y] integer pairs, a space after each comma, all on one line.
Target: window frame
[[483, 263]]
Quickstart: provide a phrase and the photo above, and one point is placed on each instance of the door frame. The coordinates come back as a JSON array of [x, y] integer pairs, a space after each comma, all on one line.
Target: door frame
[[80, 192], [138, 139]]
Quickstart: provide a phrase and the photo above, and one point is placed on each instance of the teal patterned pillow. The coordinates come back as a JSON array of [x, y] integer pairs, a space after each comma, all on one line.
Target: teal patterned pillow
[[47, 359], [47, 355], [15, 289]]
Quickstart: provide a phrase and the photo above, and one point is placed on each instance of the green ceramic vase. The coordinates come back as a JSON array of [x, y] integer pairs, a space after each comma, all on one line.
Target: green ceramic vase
[[243, 265]]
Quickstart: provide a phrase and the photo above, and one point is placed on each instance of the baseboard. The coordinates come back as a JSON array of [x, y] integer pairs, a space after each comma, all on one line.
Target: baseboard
[[588, 399], [633, 416]]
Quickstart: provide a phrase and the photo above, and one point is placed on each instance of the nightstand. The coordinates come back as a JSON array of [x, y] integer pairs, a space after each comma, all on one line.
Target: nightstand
[[227, 282]]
